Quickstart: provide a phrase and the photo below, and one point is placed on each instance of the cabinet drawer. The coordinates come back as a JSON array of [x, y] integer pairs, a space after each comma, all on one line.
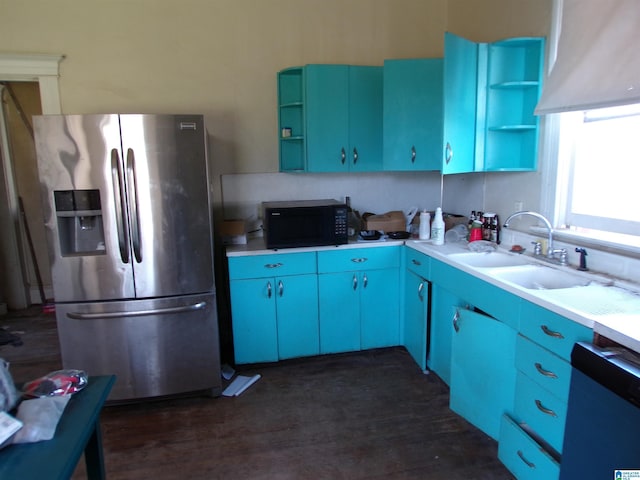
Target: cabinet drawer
[[259, 266], [543, 367], [522, 455], [418, 263], [490, 299], [542, 411], [551, 330], [358, 259]]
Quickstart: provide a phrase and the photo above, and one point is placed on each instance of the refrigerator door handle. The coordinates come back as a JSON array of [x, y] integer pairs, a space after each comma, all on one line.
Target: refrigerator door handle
[[133, 204], [137, 313], [117, 177]]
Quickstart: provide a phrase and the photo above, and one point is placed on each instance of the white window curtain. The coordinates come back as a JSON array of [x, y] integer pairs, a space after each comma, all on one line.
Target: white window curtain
[[597, 60]]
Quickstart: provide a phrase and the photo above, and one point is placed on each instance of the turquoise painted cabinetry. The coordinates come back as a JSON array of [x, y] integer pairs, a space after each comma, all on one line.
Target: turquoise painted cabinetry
[[460, 104], [483, 340], [343, 118], [532, 436], [442, 315], [274, 305], [358, 298], [412, 114], [483, 374], [291, 120], [416, 305], [490, 92]]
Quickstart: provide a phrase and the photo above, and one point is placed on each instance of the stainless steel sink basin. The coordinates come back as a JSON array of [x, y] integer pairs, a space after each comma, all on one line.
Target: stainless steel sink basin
[[489, 259], [537, 277]]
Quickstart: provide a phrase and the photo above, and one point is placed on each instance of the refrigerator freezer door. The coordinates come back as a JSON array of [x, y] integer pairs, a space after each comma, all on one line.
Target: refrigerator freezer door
[[167, 186], [155, 347], [79, 156]]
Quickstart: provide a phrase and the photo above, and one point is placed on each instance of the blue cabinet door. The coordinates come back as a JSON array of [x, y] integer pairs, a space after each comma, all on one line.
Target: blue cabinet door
[[297, 316], [483, 372], [416, 296], [327, 103], [460, 104], [339, 300], [379, 308], [343, 118], [412, 114], [254, 334], [365, 119], [439, 359]]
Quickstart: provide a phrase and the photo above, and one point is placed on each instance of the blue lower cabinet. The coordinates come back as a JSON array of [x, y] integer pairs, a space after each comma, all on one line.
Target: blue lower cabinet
[[442, 317], [483, 372], [522, 455], [359, 310]]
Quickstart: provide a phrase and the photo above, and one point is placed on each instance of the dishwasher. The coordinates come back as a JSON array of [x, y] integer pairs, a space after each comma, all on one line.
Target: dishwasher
[[602, 430]]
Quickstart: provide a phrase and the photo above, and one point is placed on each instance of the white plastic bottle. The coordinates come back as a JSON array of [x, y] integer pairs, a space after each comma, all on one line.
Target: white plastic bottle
[[425, 225], [437, 228]]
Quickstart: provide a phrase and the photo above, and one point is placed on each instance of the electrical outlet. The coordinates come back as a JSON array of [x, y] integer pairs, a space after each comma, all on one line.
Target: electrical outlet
[[518, 206]]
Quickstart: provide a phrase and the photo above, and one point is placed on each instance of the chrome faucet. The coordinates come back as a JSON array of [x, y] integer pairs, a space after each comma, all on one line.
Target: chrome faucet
[[551, 253]]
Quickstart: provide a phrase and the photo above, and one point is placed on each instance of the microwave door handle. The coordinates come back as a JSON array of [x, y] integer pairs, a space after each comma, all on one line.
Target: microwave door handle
[[117, 178]]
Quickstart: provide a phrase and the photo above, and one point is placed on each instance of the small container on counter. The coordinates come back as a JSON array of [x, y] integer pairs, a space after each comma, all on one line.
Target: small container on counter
[[425, 225], [437, 228]]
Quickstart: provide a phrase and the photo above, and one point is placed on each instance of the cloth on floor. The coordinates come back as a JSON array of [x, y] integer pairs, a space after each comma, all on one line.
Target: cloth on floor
[[8, 337]]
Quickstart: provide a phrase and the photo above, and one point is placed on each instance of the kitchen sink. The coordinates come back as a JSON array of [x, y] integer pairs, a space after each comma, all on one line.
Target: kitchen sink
[[489, 259], [537, 277]]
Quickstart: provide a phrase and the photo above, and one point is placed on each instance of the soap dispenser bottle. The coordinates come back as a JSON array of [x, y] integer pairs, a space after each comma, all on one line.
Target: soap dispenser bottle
[[437, 228]]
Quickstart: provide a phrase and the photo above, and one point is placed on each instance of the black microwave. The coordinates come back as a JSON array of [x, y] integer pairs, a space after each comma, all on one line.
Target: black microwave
[[304, 223]]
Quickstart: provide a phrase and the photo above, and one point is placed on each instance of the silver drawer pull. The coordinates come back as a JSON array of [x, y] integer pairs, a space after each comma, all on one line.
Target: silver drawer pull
[[415, 262], [542, 371], [527, 462], [359, 260], [544, 409], [456, 320], [551, 333], [273, 265]]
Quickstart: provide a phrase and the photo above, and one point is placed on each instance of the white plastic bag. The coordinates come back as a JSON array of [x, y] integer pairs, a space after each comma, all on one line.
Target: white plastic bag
[[8, 392], [40, 417]]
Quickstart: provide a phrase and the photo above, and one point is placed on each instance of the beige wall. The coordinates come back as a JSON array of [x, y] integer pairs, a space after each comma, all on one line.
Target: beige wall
[[218, 57]]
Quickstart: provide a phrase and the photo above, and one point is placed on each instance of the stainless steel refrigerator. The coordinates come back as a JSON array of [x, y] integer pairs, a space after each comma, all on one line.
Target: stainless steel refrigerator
[[128, 222]]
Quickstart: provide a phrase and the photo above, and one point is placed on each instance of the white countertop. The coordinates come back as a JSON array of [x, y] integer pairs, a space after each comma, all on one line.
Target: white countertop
[[255, 246], [610, 307]]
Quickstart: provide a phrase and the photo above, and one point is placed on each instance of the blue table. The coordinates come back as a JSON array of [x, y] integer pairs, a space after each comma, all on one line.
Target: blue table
[[78, 431]]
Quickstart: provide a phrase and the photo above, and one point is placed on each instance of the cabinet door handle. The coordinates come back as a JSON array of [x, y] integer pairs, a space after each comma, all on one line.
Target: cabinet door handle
[[448, 153], [359, 260], [413, 154], [365, 281], [355, 281], [527, 462], [280, 288], [456, 321], [415, 262], [343, 156], [268, 289], [544, 409], [273, 265], [420, 289], [542, 371], [355, 155], [551, 333]]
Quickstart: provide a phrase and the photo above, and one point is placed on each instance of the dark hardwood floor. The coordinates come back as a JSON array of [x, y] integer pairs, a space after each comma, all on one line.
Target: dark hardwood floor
[[364, 415]]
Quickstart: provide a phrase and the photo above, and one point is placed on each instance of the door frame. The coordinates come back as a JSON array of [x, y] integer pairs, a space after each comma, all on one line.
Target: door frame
[[43, 69]]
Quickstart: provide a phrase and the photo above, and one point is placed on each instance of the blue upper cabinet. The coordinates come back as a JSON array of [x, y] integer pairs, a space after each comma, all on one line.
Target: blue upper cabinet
[[460, 104], [490, 92], [343, 118], [291, 125], [412, 114], [512, 83]]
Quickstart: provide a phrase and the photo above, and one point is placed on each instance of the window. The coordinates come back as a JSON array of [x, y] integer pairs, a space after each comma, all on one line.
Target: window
[[599, 160]]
